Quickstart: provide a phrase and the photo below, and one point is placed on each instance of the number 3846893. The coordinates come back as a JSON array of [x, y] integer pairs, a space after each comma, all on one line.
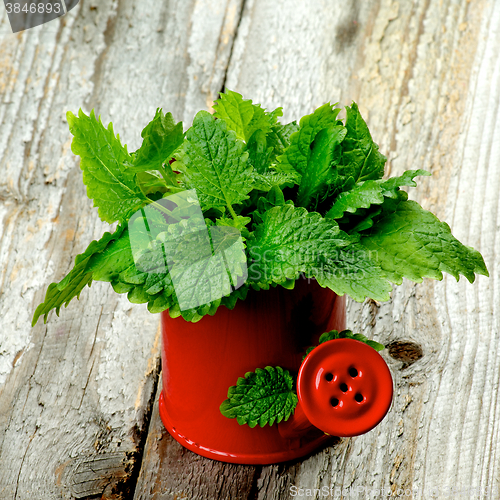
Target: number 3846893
[[33, 8]]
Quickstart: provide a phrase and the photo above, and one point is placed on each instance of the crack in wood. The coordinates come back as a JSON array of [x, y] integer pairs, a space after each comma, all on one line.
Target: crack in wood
[[142, 435], [253, 494], [22, 462], [235, 36]]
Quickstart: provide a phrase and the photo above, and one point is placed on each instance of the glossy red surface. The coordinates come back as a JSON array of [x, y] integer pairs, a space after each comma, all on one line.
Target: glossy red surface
[[345, 387], [202, 360]]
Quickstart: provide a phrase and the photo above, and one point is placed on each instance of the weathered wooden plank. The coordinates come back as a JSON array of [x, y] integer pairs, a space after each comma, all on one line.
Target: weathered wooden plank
[[425, 75], [76, 393], [170, 471]]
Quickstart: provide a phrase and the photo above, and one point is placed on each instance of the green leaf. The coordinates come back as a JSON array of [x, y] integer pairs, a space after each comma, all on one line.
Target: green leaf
[[106, 168], [317, 175], [290, 241], [347, 334], [366, 221], [363, 195], [161, 138], [161, 303], [154, 285], [367, 193], [214, 163], [138, 295], [150, 183], [259, 154], [274, 198], [242, 116], [308, 350], [77, 279], [263, 397], [392, 184], [353, 270], [114, 259], [408, 241], [296, 157], [239, 222], [279, 137], [120, 287], [266, 181], [243, 170], [361, 159], [230, 301]]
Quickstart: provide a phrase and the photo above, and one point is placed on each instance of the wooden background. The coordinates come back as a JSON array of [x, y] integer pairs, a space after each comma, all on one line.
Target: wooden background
[[78, 411]]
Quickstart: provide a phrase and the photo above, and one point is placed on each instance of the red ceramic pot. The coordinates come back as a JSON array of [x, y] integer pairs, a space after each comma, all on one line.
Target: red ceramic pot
[[202, 360]]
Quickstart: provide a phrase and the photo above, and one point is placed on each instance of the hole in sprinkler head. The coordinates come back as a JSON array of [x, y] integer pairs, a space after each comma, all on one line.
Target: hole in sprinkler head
[[353, 372], [334, 402], [359, 397], [343, 387], [329, 377]]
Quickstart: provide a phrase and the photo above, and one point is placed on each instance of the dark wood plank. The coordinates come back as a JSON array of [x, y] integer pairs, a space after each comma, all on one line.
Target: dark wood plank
[[171, 472]]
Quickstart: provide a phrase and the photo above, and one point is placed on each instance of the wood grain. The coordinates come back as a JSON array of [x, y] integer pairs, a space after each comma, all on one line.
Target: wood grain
[[77, 393], [170, 471], [424, 74]]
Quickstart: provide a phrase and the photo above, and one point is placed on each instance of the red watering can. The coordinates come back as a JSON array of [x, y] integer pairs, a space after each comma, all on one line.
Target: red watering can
[[344, 386]]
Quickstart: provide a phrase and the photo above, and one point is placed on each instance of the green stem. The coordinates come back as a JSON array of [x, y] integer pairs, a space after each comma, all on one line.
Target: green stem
[[232, 212], [164, 174]]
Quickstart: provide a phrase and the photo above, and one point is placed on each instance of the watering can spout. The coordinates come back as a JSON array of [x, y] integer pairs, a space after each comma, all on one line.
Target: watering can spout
[[296, 426], [344, 388]]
